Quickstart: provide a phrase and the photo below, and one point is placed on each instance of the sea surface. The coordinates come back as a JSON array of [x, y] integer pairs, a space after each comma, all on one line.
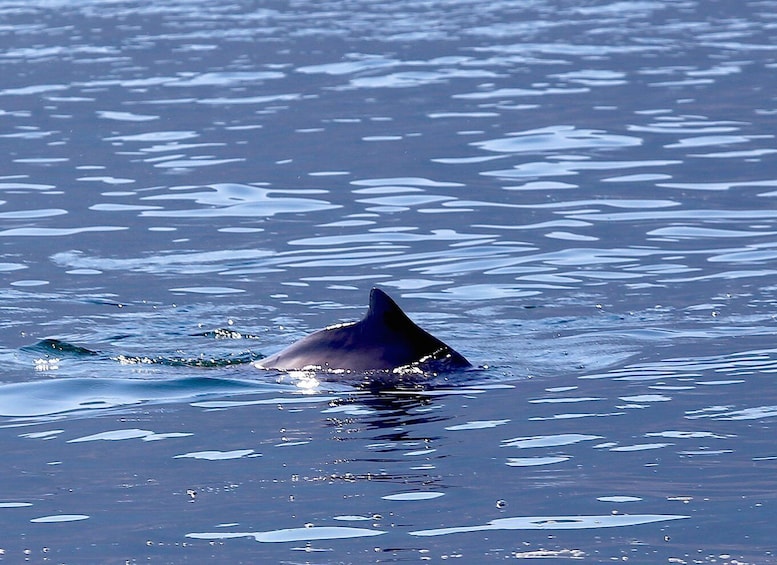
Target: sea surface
[[578, 196]]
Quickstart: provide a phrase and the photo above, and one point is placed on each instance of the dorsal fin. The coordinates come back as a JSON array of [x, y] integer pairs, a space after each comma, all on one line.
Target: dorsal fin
[[384, 340], [382, 306]]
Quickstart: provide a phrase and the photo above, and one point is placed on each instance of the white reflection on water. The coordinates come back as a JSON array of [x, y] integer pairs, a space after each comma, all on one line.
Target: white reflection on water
[[58, 518], [555, 523], [477, 425], [216, 455], [292, 534], [231, 199], [555, 138], [412, 496], [132, 433], [547, 441], [534, 461]]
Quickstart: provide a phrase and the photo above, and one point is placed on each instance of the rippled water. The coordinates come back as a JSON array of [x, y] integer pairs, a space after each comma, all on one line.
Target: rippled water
[[579, 197]]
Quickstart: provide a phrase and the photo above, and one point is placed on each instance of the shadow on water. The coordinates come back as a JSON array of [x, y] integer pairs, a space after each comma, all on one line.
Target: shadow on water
[[392, 412]]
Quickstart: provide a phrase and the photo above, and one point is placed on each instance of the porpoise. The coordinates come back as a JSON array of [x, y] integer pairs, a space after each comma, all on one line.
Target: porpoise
[[384, 340]]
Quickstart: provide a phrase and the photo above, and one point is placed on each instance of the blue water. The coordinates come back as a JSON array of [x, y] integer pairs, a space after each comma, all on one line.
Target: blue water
[[579, 197]]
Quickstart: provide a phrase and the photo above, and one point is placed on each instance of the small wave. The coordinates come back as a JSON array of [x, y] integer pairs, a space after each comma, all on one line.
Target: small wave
[[203, 361], [76, 396], [58, 348], [225, 333]]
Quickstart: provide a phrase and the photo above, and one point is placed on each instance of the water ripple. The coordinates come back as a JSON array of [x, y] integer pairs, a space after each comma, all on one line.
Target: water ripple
[[228, 200], [556, 138], [580, 195], [78, 395]]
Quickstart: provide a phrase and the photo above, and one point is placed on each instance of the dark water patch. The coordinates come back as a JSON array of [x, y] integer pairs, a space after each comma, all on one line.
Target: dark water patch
[[53, 346]]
